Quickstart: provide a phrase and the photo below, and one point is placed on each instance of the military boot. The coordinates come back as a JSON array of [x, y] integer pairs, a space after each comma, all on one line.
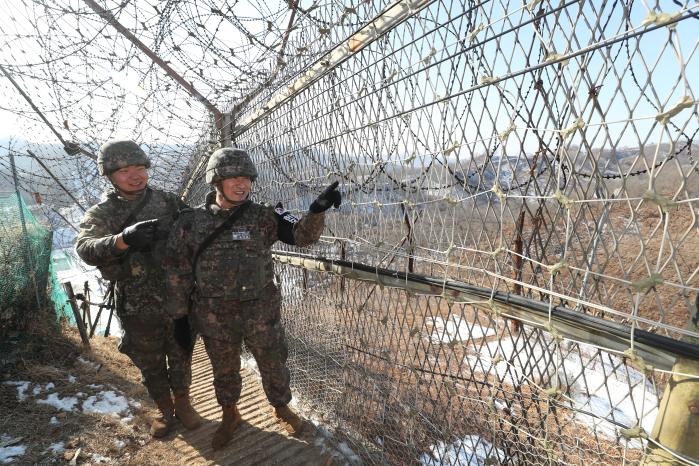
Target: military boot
[[184, 410], [161, 425], [224, 433], [289, 420]]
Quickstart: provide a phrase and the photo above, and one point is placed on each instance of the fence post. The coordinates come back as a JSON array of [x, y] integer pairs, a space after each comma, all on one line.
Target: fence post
[[677, 424], [76, 312]]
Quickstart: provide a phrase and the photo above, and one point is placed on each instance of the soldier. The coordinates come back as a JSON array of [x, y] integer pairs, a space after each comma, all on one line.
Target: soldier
[[219, 255], [123, 236]]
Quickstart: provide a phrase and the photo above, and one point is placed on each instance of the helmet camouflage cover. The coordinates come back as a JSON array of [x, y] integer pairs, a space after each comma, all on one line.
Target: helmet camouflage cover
[[229, 162], [117, 153]]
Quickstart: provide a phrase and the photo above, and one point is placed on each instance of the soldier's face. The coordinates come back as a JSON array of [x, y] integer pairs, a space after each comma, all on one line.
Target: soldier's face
[[131, 179], [236, 189]]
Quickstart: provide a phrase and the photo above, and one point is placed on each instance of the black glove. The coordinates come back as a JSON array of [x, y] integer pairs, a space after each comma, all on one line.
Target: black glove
[[141, 234], [183, 334], [330, 197]]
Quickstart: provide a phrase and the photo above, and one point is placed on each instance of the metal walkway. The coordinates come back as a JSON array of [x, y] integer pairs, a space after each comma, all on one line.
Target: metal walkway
[[260, 439]]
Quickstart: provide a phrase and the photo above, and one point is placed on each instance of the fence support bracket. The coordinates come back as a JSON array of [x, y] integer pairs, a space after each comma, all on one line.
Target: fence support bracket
[[677, 426]]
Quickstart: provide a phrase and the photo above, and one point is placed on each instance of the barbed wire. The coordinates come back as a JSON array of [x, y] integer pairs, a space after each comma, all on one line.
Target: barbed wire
[[533, 150]]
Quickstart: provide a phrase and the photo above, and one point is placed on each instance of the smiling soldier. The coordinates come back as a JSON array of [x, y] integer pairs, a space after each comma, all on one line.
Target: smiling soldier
[[124, 237], [220, 255]]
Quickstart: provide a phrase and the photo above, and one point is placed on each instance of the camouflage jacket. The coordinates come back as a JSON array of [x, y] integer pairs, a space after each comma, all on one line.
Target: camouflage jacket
[[140, 281], [237, 266]]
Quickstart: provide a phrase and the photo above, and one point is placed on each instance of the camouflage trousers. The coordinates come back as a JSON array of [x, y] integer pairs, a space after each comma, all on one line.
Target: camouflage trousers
[[149, 342], [264, 338]]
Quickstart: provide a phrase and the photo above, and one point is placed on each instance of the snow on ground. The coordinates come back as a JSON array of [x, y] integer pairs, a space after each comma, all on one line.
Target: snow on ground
[[111, 402], [456, 328], [57, 448], [348, 454], [22, 387], [9, 454], [516, 362], [37, 388], [601, 386], [324, 441], [249, 363], [107, 402], [89, 363], [99, 459], [471, 450], [618, 395], [64, 404]]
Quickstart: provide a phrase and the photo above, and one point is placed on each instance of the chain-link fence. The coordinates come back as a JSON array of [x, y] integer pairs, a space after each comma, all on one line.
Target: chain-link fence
[[513, 270]]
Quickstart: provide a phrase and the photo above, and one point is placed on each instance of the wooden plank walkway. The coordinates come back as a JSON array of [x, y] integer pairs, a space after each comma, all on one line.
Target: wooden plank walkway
[[260, 439]]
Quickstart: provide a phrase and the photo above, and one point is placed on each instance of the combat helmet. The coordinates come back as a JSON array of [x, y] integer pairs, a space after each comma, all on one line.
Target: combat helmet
[[120, 153], [229, 162]]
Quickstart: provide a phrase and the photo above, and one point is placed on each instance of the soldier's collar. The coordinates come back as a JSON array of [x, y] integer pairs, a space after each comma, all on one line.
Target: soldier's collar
[[113, 193]]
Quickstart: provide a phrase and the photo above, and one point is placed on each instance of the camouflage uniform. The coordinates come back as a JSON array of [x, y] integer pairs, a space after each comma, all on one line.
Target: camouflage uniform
[[236, 299], [140, 287]]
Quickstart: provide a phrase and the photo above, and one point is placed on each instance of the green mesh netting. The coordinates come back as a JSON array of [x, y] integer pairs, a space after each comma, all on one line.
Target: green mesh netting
[[25, 256], [60, 298]]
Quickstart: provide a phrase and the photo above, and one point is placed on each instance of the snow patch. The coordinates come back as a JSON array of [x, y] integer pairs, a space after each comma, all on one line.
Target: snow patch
[[56, 448], [97, 458], [106, 403], [8, 453], [613, 393], [71, 379], [89, 363], [455, 328], [64, 404], [348, 454], [250, 363], [471, 450], [53, 420], [22, 387], [119, 444], [603, 387]]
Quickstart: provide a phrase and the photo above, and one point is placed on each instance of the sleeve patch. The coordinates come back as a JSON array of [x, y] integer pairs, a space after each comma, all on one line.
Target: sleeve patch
[[285, 215]]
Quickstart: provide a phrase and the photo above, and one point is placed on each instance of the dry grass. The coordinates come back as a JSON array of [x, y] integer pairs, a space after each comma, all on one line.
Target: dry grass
[[49, 354]]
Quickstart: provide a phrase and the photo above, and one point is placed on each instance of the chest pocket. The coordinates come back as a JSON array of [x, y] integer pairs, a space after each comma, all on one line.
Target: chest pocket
[[233, 266]]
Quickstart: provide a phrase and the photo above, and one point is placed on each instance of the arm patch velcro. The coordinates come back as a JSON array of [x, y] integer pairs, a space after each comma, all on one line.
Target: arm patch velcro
[[285, 225], [285, 215]]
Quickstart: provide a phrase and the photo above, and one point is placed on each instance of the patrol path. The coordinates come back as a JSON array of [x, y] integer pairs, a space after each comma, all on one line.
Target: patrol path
[[260, 439]]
